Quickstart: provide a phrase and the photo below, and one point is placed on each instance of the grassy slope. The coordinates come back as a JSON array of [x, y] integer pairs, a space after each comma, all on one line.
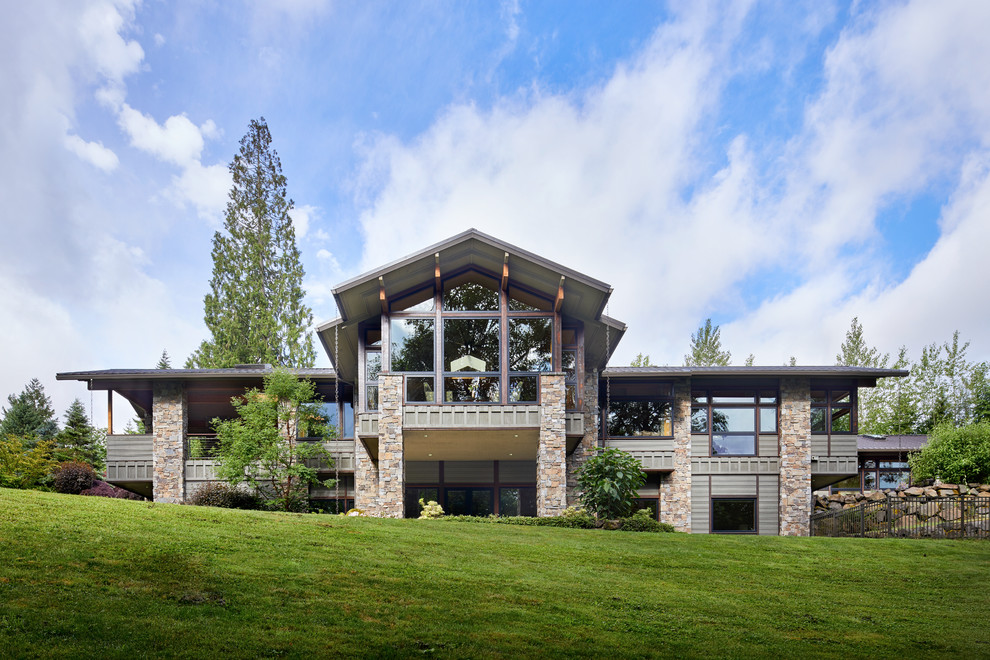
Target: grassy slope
[[87, 577]]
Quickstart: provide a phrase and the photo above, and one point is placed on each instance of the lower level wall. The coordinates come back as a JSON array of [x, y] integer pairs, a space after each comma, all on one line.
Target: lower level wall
[[763, 488]]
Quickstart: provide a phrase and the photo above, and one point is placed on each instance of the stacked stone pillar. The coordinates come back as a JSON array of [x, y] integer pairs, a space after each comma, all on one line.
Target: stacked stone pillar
[[551, 453], [391, 478], [170, 422], [795, 456], [675, 490], [365, 479], [588, 445]]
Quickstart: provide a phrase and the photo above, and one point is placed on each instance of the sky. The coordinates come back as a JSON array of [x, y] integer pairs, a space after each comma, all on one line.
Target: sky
[[779, 167]]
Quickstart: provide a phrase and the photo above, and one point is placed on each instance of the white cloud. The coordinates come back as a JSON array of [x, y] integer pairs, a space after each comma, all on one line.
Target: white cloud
[[159, 40], [92, 152], [99, 27], [302, 217]]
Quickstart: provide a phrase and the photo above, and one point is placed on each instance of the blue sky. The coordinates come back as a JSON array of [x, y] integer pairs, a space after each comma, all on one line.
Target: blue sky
[[779, 167]]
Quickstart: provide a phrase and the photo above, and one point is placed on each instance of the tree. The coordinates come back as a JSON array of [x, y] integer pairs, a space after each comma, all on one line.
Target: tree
[[164, 362], [255, 310], [954, 455], [641, 360], [855, 352], [260, 446], [750, 359], [609, 482], [30, 414], [891, 409], [706, 348], [79, 441], [25, 464]]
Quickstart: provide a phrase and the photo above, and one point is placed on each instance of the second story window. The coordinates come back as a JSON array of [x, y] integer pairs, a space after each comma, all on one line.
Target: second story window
[[833, 411], [530, 352], [643, 414], [732, 420]]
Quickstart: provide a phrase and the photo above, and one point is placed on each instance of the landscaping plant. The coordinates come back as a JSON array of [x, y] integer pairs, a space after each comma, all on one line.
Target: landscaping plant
[[609, 482]]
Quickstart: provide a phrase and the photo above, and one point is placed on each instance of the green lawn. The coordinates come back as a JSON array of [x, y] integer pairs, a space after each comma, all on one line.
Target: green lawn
[[93, 577]]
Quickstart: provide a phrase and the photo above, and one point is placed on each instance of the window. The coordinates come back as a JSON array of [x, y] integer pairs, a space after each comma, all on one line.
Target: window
[[414, 495], [530, 352], [331, 411], [517, 502], [372, 369], [639, 418], [471, 296], [832, 411], [471, 360], [733, 420], [734, 515], [412, 345], [648, 503]]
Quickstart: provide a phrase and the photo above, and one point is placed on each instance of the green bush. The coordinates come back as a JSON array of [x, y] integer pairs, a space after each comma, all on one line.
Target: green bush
[[24, 464], [609, 483], [954, 455], [430, 509], [73, 477], [220, 494], [643, 521]]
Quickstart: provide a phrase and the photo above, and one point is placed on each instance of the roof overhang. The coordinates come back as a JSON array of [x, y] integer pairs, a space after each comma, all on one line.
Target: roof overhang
[[863, 376]]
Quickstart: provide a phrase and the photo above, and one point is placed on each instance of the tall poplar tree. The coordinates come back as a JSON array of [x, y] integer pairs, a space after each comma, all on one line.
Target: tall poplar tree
[[255, 310]]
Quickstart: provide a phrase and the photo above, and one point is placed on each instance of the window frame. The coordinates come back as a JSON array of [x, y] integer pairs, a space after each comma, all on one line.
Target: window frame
[[757, 403], [829, 406], [734, 498], [659, 397]]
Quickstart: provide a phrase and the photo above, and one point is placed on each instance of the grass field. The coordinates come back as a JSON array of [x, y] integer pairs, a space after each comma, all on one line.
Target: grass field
[[92, 577]]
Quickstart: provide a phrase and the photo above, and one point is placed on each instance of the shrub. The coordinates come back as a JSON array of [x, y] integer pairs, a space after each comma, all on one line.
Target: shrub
[[24, 466], [219, 494], [73, 477], [103, 489], [609, 483], [430, 509], [643, 521], [954, 455]]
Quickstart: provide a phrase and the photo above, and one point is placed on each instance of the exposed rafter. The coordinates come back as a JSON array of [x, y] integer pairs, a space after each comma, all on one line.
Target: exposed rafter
[[381, 295], [559, 302], [436, 270], [505, 272]]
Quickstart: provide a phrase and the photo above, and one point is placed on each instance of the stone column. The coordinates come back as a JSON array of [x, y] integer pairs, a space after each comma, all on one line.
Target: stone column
[[391, 480], [170, 422], [365, 479], [588, 445], [675, 490], [551, 471], [795, 456]]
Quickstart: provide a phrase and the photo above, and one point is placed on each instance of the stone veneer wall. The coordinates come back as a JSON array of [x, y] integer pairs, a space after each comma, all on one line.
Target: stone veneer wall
[[391, 484], [589, 442], [170, 422], [551, 470], [675, 489], [365, 479], [795, 456]]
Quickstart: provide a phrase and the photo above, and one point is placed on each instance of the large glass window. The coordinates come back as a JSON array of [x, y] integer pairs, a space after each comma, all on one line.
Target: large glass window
[[331, 411], [732, 515], [530, 344], [517, 502], [832, 411], [639, 418], [412, 344], [470, 296], [471, 345], [372, 369], [733, 420]]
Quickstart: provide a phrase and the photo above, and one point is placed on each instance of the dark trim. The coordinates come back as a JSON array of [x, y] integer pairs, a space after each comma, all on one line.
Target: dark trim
[[756, 510]]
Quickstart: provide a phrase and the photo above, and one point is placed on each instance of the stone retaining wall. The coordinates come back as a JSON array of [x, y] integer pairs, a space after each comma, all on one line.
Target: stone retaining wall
[[848, 500]]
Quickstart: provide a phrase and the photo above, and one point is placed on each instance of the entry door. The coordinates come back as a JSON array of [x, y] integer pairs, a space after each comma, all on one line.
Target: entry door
[[469, 502]]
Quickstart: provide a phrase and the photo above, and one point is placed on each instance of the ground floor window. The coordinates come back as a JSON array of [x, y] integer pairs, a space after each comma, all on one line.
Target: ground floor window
[[414, 495], [468, 502], [734, 515], [650, 503], [517, 501], [332, 505]]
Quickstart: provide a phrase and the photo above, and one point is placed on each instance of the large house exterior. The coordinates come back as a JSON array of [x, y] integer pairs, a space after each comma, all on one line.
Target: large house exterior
[[475, 373]]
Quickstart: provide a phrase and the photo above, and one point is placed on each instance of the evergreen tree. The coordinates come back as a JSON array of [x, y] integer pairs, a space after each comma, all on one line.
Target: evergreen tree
[[706, 348], [873, 403], [750, 359], [164, 362], [255, 310], [641, 361], [30, 414], [79, 441]]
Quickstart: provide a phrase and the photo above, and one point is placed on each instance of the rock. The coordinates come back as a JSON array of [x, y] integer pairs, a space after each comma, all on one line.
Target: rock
[[973, 491], [931, 492], [983, 493], [876, 496], [950, 486], [914, 491], [945, 492], [837, 506], [984, 487]]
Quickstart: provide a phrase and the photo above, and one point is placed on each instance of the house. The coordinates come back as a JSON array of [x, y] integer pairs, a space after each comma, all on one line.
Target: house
[[475, 373]]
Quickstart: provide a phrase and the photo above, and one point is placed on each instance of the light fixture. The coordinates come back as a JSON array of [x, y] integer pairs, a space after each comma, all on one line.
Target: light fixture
[[429, 454]]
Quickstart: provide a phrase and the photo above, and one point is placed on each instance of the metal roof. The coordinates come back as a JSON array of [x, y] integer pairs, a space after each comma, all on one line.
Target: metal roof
[[891, 442], [652, 371], [189, 374]]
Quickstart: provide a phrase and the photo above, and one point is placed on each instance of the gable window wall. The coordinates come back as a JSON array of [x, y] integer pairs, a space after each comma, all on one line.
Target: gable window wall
[[471, 342], [734, 420]]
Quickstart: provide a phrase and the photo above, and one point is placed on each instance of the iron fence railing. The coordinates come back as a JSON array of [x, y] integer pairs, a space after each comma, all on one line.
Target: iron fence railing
[[963, 516]]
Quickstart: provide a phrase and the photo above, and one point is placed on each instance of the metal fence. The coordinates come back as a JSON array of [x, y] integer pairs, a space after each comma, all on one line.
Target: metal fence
[[963, 516]]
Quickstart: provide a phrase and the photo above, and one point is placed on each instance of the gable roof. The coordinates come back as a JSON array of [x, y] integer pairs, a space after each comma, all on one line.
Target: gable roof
[[358, 299]]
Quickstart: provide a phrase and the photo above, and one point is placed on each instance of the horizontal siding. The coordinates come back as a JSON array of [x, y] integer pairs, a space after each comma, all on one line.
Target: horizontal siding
[[699, 445], [819, 445], [422, 472], [845, 445], [733, 484], [768, 504], [455, 472], [129, 447], [418, 416], [129, 471], [517, 472], [699, 506], [641, 444], [768, 445]]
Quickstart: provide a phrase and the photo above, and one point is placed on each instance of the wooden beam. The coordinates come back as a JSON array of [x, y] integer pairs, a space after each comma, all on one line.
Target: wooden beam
[[505, 272], [381, 295], [436, 270], [559, 302], [109, 412]]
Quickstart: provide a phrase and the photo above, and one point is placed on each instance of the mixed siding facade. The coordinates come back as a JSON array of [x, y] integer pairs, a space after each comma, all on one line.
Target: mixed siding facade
[[475, 373]]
